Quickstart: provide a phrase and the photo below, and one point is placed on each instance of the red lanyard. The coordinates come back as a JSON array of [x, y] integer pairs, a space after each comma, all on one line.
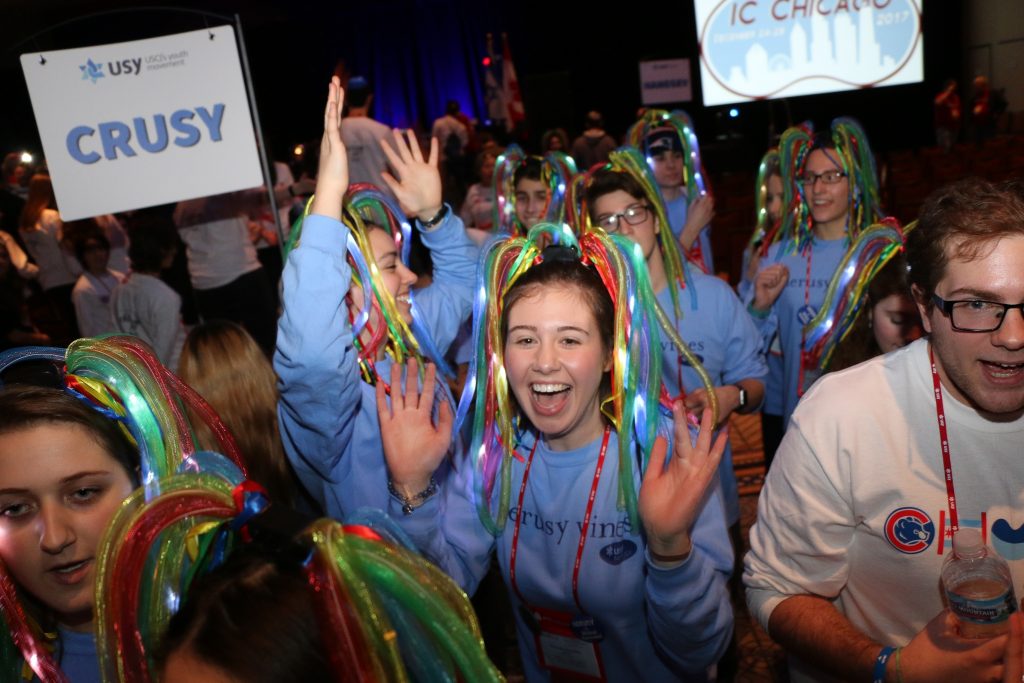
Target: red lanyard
[[696, 255], [583, 531], [803, 332], [940, 413]]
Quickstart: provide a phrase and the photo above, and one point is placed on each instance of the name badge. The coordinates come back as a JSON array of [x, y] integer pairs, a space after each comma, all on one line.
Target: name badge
[[567, 646]]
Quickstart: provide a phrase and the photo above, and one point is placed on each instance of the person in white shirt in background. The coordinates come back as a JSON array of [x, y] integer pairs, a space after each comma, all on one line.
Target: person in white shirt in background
[[91, 295]]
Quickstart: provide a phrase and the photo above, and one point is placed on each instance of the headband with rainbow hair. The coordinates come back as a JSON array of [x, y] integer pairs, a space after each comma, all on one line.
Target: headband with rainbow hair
[[693, 169], [854, 155], [628, 160], [557, 172], [765, 232], [120, 378], [847, 292], [365, 207], [636, 385], [384, 612]]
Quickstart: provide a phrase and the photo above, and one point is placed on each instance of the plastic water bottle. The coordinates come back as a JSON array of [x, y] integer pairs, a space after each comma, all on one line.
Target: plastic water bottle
[[978, 586]]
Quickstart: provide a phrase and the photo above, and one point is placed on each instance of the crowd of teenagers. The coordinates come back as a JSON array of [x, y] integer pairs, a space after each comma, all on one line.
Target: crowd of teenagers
[[546, 402]]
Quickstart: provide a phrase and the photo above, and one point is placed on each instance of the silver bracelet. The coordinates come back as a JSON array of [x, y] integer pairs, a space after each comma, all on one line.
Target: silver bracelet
[[408, 504]]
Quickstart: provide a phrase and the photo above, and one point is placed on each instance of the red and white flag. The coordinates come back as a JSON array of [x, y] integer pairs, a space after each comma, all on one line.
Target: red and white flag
[[511, 95]]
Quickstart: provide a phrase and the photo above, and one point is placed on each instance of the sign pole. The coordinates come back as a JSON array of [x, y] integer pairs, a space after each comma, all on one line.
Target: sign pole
[[261, 148]]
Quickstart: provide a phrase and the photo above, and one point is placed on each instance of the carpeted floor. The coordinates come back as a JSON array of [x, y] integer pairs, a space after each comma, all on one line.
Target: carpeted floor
[[760, 659]]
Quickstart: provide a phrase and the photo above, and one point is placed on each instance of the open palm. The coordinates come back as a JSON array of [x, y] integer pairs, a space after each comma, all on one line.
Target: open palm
[[672, 494]]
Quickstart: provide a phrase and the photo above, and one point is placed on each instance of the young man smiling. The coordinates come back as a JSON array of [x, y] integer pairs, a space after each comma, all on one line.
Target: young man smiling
[[857, 513]]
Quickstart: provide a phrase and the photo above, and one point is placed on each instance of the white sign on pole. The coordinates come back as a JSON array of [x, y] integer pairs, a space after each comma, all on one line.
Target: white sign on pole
[[147, 122], [665, 81]]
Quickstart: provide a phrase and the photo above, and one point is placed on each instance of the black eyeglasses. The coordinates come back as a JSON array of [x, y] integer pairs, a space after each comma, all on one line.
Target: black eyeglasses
[[975, 315], [634, 215], [828, 177]]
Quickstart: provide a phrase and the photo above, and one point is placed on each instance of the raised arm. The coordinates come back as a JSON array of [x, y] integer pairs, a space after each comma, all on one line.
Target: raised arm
[[447, 302], [315, 358], [689, 556]]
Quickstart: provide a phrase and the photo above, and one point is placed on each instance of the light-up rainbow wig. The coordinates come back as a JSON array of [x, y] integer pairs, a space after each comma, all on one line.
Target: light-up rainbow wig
[[120, 378], [852, 152], [847, 293], [632, 407], [385, 614], [766, 232], [678, 120], [379, 324], [627, 160], [556, 173]]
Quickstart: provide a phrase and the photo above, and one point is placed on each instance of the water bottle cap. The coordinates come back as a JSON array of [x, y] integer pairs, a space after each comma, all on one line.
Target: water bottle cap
[[968, 543]]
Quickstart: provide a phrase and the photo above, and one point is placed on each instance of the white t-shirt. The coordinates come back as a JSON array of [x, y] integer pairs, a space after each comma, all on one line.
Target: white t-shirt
[[447, 126], [145, 307], [855, 507], [366, 160], [91, 297], [219, 252]]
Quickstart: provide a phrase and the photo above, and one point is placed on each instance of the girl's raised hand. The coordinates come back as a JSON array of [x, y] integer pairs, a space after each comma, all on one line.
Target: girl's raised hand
[[332, 178], [418, 187], [413, 445], [671, 496]]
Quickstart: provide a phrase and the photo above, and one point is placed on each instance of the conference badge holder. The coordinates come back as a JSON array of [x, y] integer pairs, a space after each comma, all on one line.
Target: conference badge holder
[[567, 645]]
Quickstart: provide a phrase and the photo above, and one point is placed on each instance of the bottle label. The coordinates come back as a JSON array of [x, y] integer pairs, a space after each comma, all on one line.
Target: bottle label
[[983, 610]]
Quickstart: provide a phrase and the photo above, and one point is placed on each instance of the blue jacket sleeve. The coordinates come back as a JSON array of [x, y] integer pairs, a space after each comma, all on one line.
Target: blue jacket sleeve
[[315, 360], [448, 300], [448, 530], [689, 613]]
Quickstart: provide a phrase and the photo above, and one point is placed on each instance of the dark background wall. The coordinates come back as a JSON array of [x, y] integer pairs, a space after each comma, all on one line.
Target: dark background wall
[[569, 56]]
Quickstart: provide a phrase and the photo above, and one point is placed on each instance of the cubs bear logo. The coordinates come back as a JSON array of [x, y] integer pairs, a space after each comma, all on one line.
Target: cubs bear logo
[[909, 530]]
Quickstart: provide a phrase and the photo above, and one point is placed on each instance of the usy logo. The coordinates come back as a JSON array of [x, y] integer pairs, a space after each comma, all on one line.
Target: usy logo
[[93, 71]]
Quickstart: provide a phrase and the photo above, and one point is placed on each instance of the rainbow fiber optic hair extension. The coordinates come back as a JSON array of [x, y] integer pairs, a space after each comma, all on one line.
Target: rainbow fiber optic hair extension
[[632, 407], [556, 173], [679, 121], [384, 613], [628, 160], [379, 324], [120, 378], [848, 142], [765, 232], [847, 292]]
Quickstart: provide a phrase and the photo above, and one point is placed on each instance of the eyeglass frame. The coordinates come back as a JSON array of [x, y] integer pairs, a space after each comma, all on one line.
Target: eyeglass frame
[[645, 209], [810, 179], [947, 309]]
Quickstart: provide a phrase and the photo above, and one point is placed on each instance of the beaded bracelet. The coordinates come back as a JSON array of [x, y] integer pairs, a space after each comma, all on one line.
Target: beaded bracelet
[[410, 504]]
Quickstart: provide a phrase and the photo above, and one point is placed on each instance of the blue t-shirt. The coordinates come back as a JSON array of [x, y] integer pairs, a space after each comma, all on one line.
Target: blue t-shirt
[[77, 656], [716, 327], [797, 305], [677, 210], [657, 622]]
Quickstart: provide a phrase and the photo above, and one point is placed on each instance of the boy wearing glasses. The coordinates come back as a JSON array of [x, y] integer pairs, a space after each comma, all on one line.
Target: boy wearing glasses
[[884, 460], [711, 320]]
